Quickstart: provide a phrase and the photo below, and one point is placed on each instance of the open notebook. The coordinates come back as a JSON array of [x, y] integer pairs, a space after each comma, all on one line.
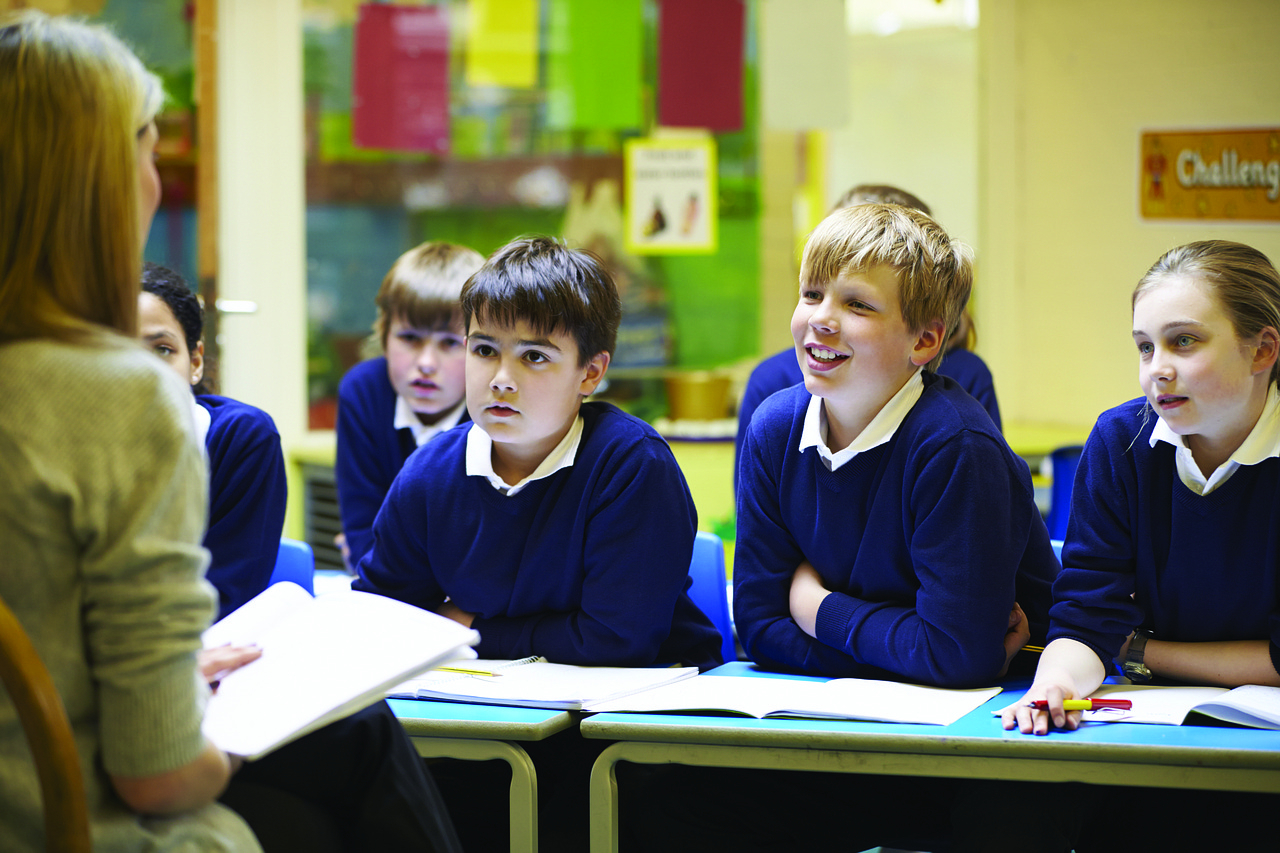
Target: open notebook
[[535, 683], [322, 659], [838, 699], [1251, 705]]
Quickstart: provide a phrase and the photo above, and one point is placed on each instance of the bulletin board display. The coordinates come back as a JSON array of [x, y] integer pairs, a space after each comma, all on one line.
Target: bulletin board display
[[1210, 174], [671, 201]]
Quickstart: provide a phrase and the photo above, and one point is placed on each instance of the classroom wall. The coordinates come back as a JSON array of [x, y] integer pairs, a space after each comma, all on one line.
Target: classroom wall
[[1066, 89]]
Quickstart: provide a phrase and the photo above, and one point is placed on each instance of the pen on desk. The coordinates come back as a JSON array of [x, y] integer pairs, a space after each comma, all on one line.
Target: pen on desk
[[1084, 704], [1036, 649], [465, 671]]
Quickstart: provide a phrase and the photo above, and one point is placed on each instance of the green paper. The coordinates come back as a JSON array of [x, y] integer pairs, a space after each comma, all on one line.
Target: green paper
[[594, 64]]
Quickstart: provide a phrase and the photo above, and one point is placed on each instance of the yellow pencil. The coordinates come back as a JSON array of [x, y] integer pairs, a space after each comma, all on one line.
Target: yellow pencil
[[464, 671]]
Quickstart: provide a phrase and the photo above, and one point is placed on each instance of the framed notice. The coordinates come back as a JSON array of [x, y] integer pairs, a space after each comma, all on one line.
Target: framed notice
[[1210, 174], [671, 196]]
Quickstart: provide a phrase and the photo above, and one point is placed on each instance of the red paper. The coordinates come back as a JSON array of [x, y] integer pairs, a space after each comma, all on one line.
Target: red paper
[[700, 64], [400, 81]]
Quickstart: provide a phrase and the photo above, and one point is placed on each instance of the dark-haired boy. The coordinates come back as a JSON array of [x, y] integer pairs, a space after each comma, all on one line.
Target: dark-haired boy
[[552, 527]]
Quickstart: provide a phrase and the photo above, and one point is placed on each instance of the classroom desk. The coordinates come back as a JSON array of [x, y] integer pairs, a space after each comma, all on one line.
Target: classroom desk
[[483, 733], [974, 747]]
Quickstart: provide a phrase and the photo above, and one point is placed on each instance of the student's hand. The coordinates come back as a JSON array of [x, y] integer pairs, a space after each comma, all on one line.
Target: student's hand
[[452, 611], [217, 662], [1016, 636], [1029, 720], [807, 593]]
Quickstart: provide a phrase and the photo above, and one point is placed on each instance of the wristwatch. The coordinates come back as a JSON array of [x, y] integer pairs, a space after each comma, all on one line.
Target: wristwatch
[[1134, 669]]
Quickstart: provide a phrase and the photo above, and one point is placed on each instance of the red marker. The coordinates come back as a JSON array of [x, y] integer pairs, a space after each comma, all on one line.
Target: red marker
[[1084, 704]]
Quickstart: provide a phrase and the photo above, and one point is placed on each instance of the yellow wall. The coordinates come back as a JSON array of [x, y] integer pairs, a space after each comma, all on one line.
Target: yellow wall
[[1066, 89]]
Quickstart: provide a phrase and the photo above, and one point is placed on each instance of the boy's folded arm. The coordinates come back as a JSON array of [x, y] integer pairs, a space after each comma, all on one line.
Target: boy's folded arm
[[952, 633], [638, 547], [765, 562], [398, 563]]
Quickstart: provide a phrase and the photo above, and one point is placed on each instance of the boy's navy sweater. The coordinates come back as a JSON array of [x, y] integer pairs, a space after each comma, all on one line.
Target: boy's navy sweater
[[1143, 550], [371, 451], [781, 370], [587, 566], [247, 495], [926, 541]]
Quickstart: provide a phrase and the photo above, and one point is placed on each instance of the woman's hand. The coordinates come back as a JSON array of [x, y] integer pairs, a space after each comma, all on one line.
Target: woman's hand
[[217, 662]]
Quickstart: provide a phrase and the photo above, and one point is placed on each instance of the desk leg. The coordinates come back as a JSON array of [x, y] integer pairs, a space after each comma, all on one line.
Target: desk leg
[[524, 781], [604, 801]]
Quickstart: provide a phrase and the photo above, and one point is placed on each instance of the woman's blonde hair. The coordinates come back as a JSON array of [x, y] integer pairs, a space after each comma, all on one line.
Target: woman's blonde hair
[[74, 100]]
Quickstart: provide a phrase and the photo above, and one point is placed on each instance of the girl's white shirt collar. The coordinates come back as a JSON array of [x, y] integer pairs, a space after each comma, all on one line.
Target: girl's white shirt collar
[[1262, 443], [406, 419], [480, 457], [881, 429]]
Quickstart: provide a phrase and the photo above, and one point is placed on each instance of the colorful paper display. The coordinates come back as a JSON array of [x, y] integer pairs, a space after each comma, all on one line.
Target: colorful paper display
[[700, 64], [594, 64], [502, 43], [400, 80]]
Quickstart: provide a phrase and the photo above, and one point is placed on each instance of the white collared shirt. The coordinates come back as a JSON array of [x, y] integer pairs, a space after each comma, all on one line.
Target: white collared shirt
[[406, 418], [1262, 443], [480, 457], [881, 429]]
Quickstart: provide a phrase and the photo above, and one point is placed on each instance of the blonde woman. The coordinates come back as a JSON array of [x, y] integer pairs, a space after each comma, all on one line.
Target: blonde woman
[[102, 486]]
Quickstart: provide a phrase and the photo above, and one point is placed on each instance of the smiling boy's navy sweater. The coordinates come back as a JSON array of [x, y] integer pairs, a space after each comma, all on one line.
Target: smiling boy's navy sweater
[[1143, 550], [586, 566], [926, 541]]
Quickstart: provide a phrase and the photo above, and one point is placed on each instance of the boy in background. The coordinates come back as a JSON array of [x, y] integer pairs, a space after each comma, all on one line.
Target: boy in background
[[391, 405], [552, 526]]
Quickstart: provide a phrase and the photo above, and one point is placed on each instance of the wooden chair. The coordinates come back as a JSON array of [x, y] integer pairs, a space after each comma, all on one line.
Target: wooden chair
[[66, 812]]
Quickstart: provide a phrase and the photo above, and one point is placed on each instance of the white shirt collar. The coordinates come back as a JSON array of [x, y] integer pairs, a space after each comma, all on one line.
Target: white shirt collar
[[203, 421], [1262, 443], [876, 433], [407, 419], [480, 457]]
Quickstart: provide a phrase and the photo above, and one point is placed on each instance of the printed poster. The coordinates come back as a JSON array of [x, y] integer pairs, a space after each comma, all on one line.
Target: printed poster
[[671, 196]]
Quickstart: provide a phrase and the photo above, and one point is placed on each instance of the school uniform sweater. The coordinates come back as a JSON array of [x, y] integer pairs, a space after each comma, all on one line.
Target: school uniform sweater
[[926, 541], [247, 496], [371, 451], [586, 566], [1143, 550], [782, 370]]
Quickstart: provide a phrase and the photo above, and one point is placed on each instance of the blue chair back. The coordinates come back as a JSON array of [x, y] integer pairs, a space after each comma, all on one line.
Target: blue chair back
[[709, 588], [1057, 549], [296, 563], [1062, 463]]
